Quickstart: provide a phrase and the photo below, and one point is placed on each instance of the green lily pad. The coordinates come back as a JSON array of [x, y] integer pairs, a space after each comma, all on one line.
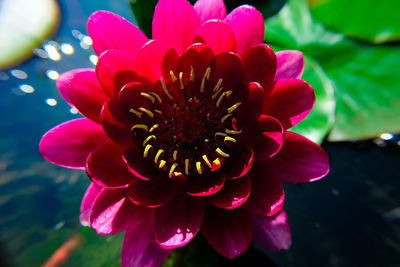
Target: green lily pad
[[24, 25], [365, 77], [368, 20]]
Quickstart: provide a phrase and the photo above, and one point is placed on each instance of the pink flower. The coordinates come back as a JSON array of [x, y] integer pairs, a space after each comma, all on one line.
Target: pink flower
[[187, 132]]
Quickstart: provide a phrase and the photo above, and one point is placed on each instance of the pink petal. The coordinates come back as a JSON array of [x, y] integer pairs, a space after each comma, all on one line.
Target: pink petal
[[248, 25], [69, 143], [110, 31], [210, 9], [205, 185], [63, 83], [175, 22], [267, 195], [113, 212], [150, 60], [290, 64], [140, 249], [227, 231], [106, 168], [272, 233], [114, 69], [233, 194], [87, 202], [178, 221], [217, 35], [300, 160], [87, 95], [290, 101], [260, 65]]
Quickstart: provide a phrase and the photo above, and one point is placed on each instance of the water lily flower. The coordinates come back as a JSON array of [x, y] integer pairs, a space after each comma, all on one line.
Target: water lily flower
[[187, 132]]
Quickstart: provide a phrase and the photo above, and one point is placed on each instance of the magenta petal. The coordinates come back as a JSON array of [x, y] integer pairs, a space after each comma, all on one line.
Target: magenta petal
[[227, 231], [106, 168], [115, 69], [175, 22], [87, 202], [113, 212], [110, 31], [87, 95], [140, 249], [178, 221], [69, 143], [217, 35], [290, 101], [210, 9], [300, 160], [248, 25], [272, 233], [205, 185], [290, 64], [63, 83], [233, 194], [268, 137]]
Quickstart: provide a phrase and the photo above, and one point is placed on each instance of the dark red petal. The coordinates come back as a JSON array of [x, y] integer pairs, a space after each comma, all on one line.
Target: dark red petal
[[240, 163], [300, 160], [178, 221], [252, 108], [210, 9], [205, 185], [87, 95], [87, 202], [69, 143], [175, 22], [113, 212], [233, 194], [106, 168], [259, 63], [142, 168], [217, 35], [268, 136], [114, 69], [267, 195], [227, 231], [272, 233], [110, 31], [151, 193], [248, 25], [290, 101]]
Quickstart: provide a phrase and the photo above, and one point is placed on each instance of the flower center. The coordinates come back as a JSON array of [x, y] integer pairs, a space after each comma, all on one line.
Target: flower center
[[190, 129]]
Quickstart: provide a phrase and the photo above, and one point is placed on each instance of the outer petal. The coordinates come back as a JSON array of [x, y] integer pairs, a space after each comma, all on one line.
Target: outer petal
[[290, 64], [272, 233], [217, 35], [210, 9], [175, 22], [114, 69], [267, 195], [70, 143], [227, 231], [205, 185], [110, 31], [113, 212], [87, 203], [260, 65], [300, 160], [86, 94], [177, 222], [106, 168], [248, 25], [290, 101], [63, 83], [140, 249], [233, 194]]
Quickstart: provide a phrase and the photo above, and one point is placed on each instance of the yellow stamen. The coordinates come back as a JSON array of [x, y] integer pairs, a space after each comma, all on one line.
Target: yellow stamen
[[207, 161], [162, 164], [231, 139], [226, 93], [146, 150], [187, 166], [191, 74], [203, 82], [222, 153], [175, 154], [219, 134], [232, 131], [171, 171], [206, 140], [217, 93], [157, 96], [148, 112], [198, 167], [181, 80], [217, 85], [149, 97], [153, 127], [207, 73], [158, 111], [224, 118], [159, 152], [148, 139], [137, 113], [164, 87], [173, 77], [139, 126], [234, 107]]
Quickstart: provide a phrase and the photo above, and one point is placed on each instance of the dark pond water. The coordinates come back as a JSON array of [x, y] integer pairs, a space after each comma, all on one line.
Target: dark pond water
[[351, 218]]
